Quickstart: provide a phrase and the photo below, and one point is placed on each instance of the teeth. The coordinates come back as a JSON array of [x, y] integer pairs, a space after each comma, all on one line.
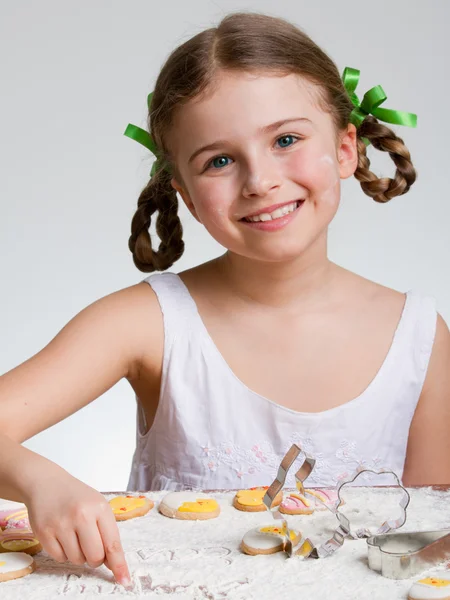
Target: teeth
[[276, 214]]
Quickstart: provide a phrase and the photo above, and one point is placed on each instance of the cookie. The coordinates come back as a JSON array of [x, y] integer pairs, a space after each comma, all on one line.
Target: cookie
[[189, 506], [431, 588], [297, 504], [251, 500], [323, 499], [14, 565], [17, 535], [16, 517], [19, 542], [267, 540], [129, 507]]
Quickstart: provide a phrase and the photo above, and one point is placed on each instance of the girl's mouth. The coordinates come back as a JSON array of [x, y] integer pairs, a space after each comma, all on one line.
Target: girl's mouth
[[275, 219]]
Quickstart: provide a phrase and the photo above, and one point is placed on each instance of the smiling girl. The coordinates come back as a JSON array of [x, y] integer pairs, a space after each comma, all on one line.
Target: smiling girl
[[269, 344]]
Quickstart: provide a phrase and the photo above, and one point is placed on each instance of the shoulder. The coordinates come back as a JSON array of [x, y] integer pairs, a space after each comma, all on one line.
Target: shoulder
[[438, 374], [129, 319]]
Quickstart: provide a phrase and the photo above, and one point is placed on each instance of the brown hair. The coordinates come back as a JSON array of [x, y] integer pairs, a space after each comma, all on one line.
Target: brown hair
[[247, 42]]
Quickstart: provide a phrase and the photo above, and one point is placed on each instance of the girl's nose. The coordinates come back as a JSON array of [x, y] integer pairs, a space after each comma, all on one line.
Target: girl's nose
[[261, 179]]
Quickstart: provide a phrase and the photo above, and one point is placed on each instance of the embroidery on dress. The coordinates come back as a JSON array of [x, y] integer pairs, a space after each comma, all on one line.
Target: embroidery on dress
[[261, 458]]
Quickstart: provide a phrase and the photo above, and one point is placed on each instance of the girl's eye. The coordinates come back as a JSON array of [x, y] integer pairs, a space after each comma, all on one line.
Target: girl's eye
[[218, 162], [286, 139]]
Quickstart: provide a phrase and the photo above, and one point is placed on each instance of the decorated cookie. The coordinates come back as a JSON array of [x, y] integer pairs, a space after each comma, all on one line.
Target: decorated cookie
[[14, 518], [17, 535], [251, 500], [189, 506], [19, 541], [431, 588], [297, 504], [322, 499], [128, 507], [267, 540], [14, 565]]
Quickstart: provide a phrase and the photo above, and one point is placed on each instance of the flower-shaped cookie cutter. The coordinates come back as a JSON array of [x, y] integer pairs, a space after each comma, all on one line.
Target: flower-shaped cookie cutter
[[307, 548]]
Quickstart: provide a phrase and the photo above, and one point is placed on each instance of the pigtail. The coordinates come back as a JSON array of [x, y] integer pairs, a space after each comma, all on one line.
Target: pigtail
[[158, 196], [382, 138]]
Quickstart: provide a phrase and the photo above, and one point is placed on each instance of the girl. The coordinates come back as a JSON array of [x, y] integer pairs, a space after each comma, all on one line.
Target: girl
[[269, 344]]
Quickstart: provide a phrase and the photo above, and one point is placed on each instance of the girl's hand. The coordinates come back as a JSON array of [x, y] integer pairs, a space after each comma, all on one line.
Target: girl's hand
[[75, 523]]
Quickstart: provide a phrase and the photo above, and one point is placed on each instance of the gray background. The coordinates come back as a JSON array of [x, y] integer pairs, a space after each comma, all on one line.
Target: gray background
[[74, 74]]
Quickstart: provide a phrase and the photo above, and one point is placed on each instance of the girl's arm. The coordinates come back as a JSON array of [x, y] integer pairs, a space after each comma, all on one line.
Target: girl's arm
[[428, 454], [107, 341]]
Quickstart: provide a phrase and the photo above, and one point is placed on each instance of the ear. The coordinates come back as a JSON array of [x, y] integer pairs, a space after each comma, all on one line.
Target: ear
[[185, 196], [348, 152]]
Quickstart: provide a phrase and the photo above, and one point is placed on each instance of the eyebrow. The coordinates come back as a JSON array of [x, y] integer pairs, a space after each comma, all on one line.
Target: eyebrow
[[264, 130]]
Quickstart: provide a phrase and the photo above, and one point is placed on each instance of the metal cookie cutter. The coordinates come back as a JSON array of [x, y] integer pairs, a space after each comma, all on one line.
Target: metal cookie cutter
[[303, 472], [307, 548], [403, 555], [344, 530]]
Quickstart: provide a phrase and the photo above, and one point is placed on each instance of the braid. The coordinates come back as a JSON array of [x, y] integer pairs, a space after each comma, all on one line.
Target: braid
[[383, 138], [160, 196]]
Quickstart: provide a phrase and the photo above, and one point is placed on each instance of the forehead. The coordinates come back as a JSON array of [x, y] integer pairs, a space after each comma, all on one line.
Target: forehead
[[240, 103]]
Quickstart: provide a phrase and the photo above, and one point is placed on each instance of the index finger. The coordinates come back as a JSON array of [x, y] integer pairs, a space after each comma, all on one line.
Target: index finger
[[114, 555]]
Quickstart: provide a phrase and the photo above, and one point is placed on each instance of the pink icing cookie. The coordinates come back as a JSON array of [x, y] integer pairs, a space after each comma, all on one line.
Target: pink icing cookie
[[14, 517], [17, 535], [297, 504], [322, 499]]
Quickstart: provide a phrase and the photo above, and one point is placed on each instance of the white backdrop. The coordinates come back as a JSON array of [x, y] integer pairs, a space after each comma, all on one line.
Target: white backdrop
[[75, 73]]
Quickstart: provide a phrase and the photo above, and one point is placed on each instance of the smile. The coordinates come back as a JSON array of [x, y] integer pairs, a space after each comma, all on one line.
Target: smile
[[277, 213]]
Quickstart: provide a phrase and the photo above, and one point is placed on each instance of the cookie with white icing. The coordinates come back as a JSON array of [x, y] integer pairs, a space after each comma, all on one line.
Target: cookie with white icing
[[129, 507], [251, 500], [431, 588], [14, 565], [189, 506], [268, 539], [297, 504]]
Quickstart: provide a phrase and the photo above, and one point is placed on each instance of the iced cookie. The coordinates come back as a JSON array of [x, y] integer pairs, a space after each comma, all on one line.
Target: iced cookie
[[267, 540], [297, 504], [128, 507], [19, 541], [14, 518], [189, 505], [17, 535], [323, 498], [251, 500], [431, 588], [14, 565]]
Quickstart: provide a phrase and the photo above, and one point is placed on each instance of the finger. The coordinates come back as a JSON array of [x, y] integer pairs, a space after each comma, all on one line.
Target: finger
[[114, 555], [71, 546], [53, 548], [91, 544]]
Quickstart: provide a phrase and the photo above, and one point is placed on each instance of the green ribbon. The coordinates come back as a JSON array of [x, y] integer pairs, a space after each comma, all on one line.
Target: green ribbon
[[143, 137], [371, 102]]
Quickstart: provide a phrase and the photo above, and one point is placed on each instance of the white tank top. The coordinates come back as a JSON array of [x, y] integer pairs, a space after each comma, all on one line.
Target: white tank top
[[212, 432]]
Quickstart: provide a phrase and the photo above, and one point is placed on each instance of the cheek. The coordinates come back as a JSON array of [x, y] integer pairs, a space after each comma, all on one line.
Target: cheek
[[212, 206], [318, 172]]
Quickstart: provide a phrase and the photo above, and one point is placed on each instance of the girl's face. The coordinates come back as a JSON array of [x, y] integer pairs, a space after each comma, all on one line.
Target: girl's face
[[260, 164]]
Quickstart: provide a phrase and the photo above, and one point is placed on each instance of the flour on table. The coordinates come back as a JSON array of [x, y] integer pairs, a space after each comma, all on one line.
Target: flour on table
[[201, 560]]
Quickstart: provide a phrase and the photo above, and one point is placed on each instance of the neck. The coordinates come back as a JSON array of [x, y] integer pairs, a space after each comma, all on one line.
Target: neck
[[304, 280]]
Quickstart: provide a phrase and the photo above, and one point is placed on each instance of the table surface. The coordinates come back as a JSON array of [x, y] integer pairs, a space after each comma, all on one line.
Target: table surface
[[204, 561]]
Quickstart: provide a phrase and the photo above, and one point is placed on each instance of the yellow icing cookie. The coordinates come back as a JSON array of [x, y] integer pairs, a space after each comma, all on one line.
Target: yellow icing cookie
[[124, 504], [252, 497], [435, 582], [128, 507], [200, 506]]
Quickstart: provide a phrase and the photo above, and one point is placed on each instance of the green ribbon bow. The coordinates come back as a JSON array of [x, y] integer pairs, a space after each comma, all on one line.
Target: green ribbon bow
[[371, 101], [143, 137]]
